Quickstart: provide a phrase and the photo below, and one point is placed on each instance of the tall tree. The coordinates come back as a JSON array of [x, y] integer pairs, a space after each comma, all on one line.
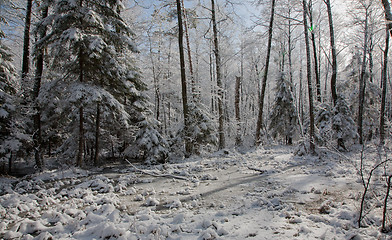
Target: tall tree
[[333, 52], [388, 18], [93, 66], [237, 110], [362, 78], [309, 77], [26, 41], [218, 77], [265, 76], [334, 94], [188, 146], [315, 59], [188, 46], [37, 135]]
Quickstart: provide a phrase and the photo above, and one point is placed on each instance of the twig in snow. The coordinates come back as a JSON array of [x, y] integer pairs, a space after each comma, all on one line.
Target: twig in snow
[[156, 174]]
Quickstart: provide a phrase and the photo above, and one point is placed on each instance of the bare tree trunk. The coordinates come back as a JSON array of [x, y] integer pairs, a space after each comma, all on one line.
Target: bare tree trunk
[[155, 79], [79, 160], [333, 51], [290, 51], [334, 63], [371, 62], [388, 17], [265, 76], [37, 136], [315, 59], [384, 212], [188, 146], [237, 110], [97, 126], [309, 76], [26, 42], [193, 83], [362, 81], [218, 78]]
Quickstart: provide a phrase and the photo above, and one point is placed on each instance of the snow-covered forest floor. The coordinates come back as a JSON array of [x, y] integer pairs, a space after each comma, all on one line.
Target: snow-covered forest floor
[[262, 194]]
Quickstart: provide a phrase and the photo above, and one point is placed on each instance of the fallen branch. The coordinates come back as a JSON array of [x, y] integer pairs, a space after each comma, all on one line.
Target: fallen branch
[[154, 174], [257, 170]]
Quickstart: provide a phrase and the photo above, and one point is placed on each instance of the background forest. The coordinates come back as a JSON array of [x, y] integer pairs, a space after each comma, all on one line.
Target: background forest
[[90, 81]]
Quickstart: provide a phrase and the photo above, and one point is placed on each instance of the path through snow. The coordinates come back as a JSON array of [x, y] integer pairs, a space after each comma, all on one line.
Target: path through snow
[[222, 198]]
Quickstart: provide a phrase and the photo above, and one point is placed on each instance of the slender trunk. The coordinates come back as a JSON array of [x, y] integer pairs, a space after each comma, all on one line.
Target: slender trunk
[[333, 51], [237, 110], [212, 79], [315, 59], [155, 79], [97, 126], [384, 212], [265, 76], [79, 160], [188, 146], [384, 82], [218, 78], [290, 51], [26, 42], [193, 83], [10, 163], [371, 62], [362, 83], [37, 136], [309, 76], [334, 64]]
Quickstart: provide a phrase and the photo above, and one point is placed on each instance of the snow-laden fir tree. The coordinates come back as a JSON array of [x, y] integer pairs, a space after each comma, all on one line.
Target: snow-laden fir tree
[[283, 117], [98, 89], [342, 123], [324, 123], [201, 131], [11, 130]]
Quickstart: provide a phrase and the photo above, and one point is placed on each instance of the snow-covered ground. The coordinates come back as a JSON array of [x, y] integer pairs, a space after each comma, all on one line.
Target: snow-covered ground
[[261, 194]]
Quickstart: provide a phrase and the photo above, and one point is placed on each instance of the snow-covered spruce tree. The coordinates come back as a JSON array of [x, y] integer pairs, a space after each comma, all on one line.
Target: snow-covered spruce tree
[[202, 132], [283, 118], [11, 131], [94, 78], [324, 123], [342, 123]]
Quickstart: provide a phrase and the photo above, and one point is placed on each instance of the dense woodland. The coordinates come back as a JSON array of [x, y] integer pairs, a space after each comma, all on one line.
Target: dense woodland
[[90, 81]]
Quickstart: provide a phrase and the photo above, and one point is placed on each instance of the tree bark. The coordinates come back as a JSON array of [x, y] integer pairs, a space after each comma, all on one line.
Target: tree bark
[[315, 59], [79, 160], [309, 76], [188, 146], [388, 17], [265, 76], [97, 133], [218, 78], [362, 82], [334, 63], [37, 136], [237, 110], [26, 41], [193, 83], [333, 51]]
